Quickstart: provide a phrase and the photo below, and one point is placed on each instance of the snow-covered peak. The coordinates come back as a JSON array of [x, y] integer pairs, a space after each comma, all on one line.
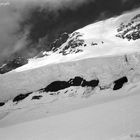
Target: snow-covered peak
[[103, 38]]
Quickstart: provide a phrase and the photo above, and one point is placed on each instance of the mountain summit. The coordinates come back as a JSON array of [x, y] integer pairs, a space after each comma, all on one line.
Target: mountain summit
[[113, 36]]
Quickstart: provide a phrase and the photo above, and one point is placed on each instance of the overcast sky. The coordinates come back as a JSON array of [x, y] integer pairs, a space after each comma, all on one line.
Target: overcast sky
[[24, 22]]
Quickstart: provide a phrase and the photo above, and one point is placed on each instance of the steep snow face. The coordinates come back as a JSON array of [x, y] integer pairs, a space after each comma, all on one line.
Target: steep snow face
[[115, 36]]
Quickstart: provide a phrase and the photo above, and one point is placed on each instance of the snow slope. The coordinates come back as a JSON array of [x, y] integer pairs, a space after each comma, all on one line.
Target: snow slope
[[113, 120], [94, 69]]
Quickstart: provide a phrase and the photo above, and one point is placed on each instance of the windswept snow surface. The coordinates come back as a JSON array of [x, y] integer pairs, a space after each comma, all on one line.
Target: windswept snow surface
[[111, 120]]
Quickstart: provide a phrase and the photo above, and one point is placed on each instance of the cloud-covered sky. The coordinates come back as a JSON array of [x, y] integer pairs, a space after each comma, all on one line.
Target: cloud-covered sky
[[24, 22]]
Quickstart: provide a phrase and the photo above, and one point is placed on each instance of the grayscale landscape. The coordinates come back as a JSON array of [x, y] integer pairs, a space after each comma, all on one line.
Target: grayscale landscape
[[77, 81]]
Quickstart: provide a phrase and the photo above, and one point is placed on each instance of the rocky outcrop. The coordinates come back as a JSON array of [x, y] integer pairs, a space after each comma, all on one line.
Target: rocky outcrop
[[77, 81], [2, 103], [118, 84], [73, 44], [131, 30], [20, 97], [13, 64], [58, 42], [37, 97]]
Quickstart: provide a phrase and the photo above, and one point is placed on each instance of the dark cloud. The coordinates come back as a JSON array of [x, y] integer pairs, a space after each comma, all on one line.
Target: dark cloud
[[26, 23], [48, 22]]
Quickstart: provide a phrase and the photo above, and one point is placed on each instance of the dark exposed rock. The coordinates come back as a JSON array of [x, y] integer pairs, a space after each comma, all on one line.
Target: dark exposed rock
[[36, 97], [73, 44], [21, 97], [57, 85], [119, 83], [92, 83], [76, 34], [58, 42], [13, 64], [131, 30], [77, 81], [71, 47], [2, 103]]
